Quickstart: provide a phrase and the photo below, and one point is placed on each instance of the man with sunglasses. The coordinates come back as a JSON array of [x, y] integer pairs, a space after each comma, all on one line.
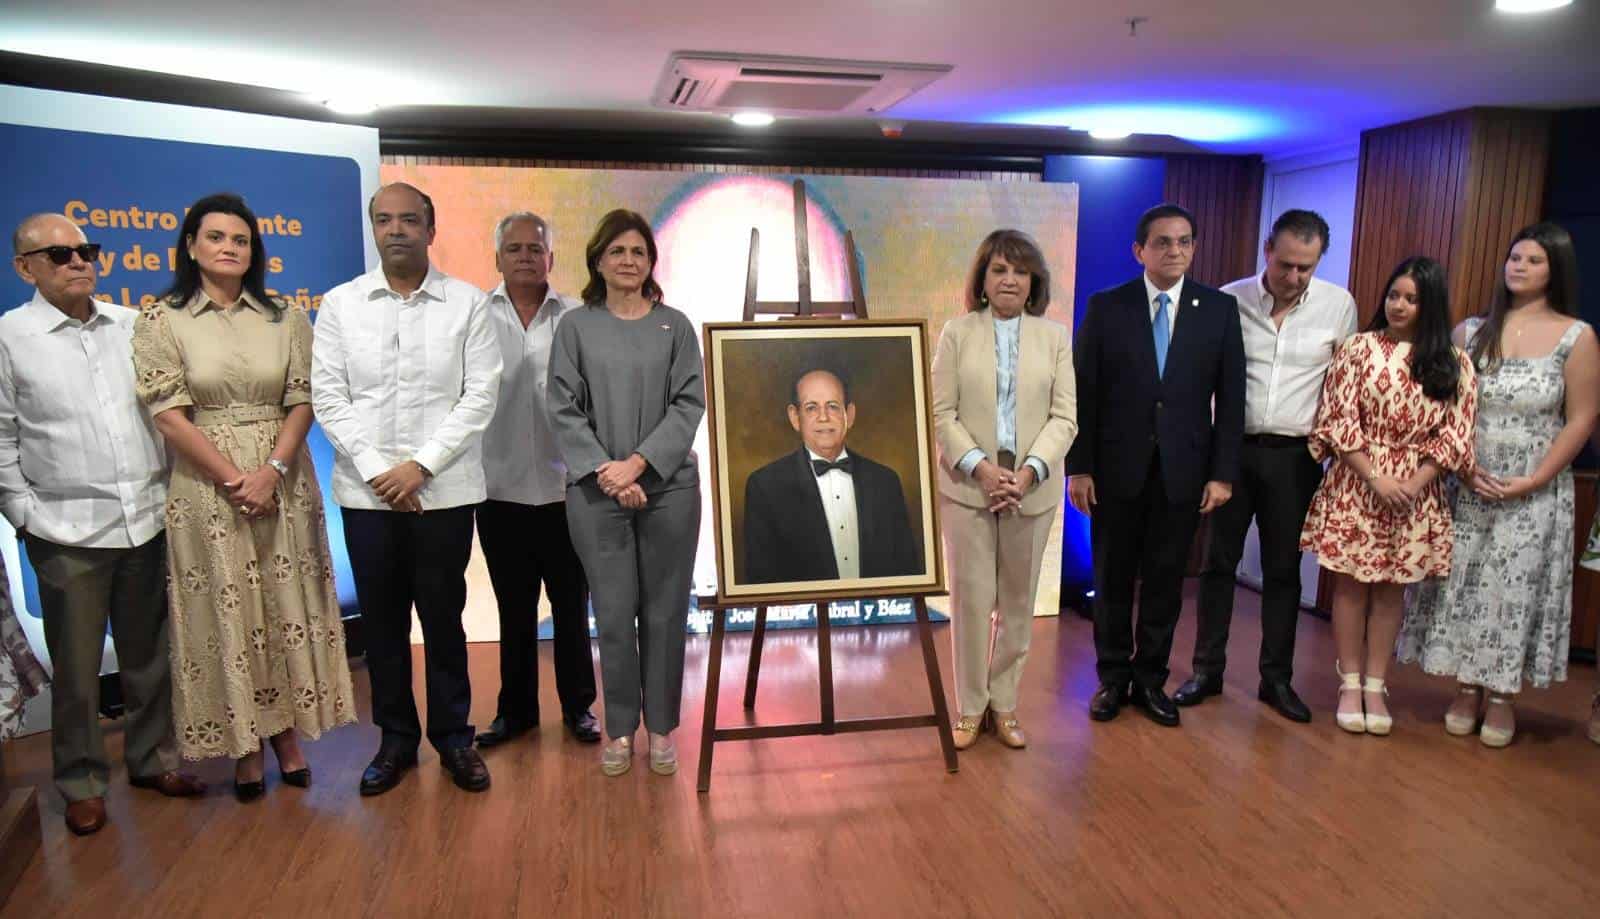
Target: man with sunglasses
[[82, 478]]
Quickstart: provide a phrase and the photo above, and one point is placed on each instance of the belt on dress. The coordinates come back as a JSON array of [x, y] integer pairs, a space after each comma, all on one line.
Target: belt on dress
[[237, 414]]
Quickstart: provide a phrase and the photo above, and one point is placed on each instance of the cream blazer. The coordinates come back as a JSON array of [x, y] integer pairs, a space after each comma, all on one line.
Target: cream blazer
[[965, 396]]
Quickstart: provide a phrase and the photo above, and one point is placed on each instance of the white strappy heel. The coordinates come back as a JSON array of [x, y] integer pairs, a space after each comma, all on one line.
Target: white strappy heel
[[1354, 722], [1497, 737], [1457, 726], [1376, 724]]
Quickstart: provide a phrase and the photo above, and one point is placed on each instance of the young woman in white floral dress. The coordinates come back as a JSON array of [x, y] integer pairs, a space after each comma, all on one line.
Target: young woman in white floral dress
[[1503, 615], [257, 645]]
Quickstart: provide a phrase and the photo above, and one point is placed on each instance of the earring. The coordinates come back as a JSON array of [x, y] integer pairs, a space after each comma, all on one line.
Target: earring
[[983, 298]]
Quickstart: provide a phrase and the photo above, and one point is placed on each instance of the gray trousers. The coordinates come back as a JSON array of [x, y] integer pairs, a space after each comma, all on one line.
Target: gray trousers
[[80, 590], [639, 565]]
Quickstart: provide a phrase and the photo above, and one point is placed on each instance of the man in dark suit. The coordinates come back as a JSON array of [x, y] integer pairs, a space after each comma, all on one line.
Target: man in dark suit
[[823, 513], [1160, 367]]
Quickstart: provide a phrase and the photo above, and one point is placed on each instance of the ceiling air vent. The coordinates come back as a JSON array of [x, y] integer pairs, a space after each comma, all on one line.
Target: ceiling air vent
[[726, 83]]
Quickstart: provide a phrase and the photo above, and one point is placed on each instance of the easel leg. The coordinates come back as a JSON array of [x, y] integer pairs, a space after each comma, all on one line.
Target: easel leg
[[825, 664], [930, 661], [708, 722], [753, 672]]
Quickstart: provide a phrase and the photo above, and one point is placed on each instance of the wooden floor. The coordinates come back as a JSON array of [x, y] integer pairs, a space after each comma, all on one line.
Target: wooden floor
[[1237, 813]]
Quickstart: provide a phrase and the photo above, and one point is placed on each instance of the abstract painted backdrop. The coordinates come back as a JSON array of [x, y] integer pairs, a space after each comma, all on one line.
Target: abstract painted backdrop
[[915, 239]]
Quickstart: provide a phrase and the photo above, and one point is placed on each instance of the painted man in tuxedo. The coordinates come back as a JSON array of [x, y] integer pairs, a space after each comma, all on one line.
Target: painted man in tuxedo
[[1152, 358], [822, 512]]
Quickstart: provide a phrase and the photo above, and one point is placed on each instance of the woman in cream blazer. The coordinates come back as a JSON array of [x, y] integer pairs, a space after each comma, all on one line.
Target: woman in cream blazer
[[1004, 414]]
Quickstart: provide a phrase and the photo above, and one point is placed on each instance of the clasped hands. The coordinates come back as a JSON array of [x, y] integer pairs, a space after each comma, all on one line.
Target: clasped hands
[[1002, 487], [619, 479], [254, 493], [1493, 488], [398, 487]]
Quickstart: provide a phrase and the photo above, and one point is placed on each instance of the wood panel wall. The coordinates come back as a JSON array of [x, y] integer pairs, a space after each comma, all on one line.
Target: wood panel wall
[[1224, 194], [1454, 187]]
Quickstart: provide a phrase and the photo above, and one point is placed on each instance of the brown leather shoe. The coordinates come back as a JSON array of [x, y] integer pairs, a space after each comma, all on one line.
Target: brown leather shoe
[[172, 784], [86, 816]]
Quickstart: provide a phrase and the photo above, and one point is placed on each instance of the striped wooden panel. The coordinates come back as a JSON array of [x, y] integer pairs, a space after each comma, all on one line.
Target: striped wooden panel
[[1224, 193], [1454, 187]]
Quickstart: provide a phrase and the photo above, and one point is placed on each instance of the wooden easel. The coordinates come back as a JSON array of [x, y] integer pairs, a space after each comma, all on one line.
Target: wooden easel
[[805, 308]]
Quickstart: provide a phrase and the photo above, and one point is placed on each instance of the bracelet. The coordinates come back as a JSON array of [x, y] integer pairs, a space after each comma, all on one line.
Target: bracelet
[[279, 465]]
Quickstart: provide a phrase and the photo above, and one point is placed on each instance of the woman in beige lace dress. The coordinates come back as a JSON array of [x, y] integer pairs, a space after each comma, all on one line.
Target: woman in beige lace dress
[[257, 646]]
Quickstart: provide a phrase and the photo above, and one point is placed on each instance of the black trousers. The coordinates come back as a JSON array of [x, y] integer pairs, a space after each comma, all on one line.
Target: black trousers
[[525, 545], [402, 560], [1277, 480], [1146, 538]]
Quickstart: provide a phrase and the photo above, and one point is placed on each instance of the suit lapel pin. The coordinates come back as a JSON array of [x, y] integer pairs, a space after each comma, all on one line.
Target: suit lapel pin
[[1195, 302]]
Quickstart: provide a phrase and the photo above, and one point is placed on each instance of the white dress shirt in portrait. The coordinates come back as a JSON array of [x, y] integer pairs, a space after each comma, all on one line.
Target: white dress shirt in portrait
[[81, 463], [521, 459], [1151, 291], [838, 491], [396, 378], [1284, 366]]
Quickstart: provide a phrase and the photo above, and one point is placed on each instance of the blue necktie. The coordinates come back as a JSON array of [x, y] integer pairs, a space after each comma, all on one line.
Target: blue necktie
[[1162, 334]]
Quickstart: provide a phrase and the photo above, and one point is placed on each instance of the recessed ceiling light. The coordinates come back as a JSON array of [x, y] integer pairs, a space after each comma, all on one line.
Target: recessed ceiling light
[[1529, 6], [1109, 133], [752, 119], [351, 105]]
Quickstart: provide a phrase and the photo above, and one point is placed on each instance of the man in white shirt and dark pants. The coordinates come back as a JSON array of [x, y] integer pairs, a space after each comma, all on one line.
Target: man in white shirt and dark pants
[[522, 527], [1292, 323], [404, 376], [83, 480]]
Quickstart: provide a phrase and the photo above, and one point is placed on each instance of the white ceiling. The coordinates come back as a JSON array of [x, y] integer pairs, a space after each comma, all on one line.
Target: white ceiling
[[1270, 77]]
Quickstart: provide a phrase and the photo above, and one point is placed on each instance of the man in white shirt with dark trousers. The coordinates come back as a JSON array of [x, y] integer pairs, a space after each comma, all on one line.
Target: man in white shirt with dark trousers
[[522, 527], [1292, 323], [404, 376], [83, 480]]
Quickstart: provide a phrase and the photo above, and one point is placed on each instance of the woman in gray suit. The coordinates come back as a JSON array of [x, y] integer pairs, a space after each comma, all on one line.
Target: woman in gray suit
[[1004, 414], [625, 396]]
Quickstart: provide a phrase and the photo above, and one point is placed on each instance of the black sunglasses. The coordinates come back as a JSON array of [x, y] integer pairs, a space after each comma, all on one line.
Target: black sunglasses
[[62, 255]]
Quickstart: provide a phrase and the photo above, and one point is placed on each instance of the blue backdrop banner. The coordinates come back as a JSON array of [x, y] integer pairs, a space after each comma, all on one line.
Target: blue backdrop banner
[[130, 194]]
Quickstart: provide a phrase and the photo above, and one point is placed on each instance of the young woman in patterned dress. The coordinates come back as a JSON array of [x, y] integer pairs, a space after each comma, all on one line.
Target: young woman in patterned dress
[[1398, 408], [1503, 616]]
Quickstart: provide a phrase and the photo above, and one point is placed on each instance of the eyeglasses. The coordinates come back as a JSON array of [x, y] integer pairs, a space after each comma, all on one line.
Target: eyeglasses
[[62, 255]]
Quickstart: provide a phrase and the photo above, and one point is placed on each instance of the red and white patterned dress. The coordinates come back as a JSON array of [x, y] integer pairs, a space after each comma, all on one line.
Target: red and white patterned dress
[[1370, 403]]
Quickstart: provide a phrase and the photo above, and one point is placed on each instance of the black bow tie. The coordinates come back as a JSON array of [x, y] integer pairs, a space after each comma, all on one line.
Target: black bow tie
[[820, 467]]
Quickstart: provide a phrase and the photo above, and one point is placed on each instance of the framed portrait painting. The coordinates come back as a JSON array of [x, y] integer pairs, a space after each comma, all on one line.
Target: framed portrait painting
[[822, 460]]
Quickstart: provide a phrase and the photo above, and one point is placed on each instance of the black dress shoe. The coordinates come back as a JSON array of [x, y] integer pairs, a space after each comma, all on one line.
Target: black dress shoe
[[384, 772], [466, 767], [299, 778], [249, 791], [1282, 698], [1108, 701], [1155, 704], [1197, 689], [499, 732], [584, 727]]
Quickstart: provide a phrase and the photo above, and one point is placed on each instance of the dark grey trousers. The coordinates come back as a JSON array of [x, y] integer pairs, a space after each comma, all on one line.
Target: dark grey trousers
[[639, 565]]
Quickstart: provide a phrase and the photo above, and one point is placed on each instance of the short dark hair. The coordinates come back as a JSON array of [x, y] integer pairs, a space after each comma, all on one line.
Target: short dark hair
[[1166, 209], [844, 383], [427, 202], [1019, 249], [1302, 224], [186, 272], [611, 226]]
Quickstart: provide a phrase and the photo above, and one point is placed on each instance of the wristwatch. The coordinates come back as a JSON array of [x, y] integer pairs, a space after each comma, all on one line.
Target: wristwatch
[[280, 465]]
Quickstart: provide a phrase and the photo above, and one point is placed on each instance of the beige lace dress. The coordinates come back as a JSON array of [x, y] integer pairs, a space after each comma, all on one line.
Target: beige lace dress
[[257, 646]]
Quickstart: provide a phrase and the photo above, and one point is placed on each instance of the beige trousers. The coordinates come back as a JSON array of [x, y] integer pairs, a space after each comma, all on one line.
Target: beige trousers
[[994, 576]]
